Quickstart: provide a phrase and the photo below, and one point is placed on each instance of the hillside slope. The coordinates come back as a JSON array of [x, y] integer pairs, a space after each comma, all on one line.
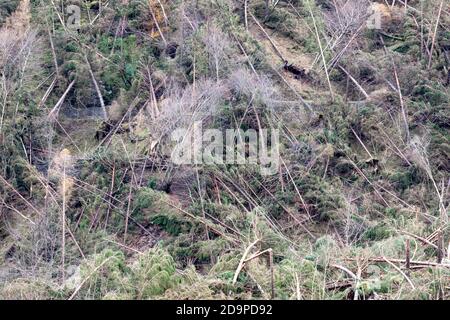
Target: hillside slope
[[345, 105]]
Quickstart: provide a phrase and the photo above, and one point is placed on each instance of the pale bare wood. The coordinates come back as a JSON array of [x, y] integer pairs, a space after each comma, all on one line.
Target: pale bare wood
[[362, 143], [360, 88], [277, 51], [97, 87], [48, 92], [421, 239], [54, 112], [242, 261], [305, 206], [401, 272], [412, 262], [156, 23], [321, 52]]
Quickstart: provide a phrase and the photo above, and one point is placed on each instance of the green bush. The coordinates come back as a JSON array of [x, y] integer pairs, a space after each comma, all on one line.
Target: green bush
[[153, 273]]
